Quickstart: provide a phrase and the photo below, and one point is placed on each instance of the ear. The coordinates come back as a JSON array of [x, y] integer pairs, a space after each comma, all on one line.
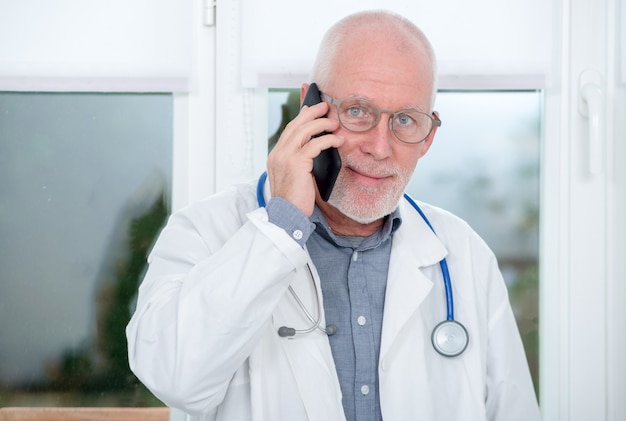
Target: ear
[[303, 89]]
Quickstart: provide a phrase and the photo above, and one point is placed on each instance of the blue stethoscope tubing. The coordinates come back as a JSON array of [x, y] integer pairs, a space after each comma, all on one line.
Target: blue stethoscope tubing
[[449, 337], [447, 283]]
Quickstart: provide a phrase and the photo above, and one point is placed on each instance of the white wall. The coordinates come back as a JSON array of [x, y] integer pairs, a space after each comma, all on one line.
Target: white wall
[[482, 43]]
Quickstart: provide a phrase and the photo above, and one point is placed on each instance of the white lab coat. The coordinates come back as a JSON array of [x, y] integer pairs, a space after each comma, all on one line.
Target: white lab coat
[[204, 334]]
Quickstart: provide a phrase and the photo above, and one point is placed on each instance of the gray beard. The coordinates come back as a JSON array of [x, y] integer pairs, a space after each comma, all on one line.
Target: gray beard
[[382, 202]]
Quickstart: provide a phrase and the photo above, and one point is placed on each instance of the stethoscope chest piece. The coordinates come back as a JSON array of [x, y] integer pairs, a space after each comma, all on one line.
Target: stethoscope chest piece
[[450, 338]]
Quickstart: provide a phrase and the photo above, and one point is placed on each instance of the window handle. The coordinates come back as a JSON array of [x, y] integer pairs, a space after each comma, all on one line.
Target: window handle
[[591, 105]]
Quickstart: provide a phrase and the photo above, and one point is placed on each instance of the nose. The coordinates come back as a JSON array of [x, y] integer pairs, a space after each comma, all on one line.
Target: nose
[[378, 140]]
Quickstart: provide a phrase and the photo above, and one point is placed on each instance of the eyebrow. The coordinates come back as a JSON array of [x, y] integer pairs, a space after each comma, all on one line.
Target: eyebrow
[[410, 107]]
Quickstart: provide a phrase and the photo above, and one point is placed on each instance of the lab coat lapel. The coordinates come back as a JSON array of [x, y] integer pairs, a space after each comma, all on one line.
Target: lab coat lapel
[[414, 246]]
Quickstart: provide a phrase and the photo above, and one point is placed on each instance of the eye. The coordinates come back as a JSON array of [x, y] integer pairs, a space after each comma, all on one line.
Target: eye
[[357, 115], [357, 110], [404, 119]]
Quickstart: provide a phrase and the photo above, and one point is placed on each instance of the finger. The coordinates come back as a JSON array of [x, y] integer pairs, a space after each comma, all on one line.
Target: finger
[[296, 137], [300, 127], [316, 145], [318, 128], [314, 111]]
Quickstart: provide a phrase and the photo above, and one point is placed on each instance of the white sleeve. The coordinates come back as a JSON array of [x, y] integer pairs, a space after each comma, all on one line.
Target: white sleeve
[[209, 292]]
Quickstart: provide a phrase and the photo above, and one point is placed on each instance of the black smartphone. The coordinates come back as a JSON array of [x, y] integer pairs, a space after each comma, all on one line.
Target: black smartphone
[[327, 164]]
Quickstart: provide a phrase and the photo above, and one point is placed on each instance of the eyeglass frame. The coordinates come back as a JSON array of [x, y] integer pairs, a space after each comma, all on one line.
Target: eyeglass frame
[[435, 120]]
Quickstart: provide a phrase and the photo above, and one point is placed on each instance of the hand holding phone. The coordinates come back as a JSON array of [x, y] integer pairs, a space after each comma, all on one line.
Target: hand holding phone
[[327, 164]]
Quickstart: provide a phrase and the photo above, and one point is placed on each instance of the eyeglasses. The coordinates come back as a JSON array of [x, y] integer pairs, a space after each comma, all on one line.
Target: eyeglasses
[[360, 115]]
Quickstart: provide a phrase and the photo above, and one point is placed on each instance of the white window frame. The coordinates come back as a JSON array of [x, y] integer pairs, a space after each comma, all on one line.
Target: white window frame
[[582, 324]]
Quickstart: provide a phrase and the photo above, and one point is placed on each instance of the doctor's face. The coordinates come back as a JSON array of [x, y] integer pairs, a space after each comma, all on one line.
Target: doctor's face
[[377, 166]]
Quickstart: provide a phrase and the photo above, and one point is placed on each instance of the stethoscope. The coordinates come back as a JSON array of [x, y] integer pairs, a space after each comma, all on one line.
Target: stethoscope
[[449, 337]]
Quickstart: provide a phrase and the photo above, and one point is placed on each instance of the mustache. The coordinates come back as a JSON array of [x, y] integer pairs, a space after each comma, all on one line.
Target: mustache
[[371, 168]]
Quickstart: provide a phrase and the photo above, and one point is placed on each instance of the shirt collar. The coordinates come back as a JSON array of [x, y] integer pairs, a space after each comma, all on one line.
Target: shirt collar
[[390, 225]]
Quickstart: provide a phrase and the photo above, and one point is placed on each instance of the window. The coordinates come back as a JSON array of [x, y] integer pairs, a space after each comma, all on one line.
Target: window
[[84, 187]]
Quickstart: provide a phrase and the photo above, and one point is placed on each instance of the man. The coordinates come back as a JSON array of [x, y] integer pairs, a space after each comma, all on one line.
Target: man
[[311, 310]]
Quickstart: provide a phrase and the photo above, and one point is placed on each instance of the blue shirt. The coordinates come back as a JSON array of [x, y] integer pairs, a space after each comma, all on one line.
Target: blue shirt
[[353, 273]]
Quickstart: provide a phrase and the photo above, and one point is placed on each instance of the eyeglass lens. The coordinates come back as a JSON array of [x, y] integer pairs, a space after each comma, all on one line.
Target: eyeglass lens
[[360, 115]]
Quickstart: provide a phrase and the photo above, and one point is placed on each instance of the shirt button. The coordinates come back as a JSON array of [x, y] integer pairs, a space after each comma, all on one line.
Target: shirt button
[[365, 389], [361, 320], [297, 234]]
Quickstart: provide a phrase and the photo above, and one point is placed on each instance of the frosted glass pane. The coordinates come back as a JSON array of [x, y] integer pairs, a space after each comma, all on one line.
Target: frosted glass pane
[[84, 184]]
